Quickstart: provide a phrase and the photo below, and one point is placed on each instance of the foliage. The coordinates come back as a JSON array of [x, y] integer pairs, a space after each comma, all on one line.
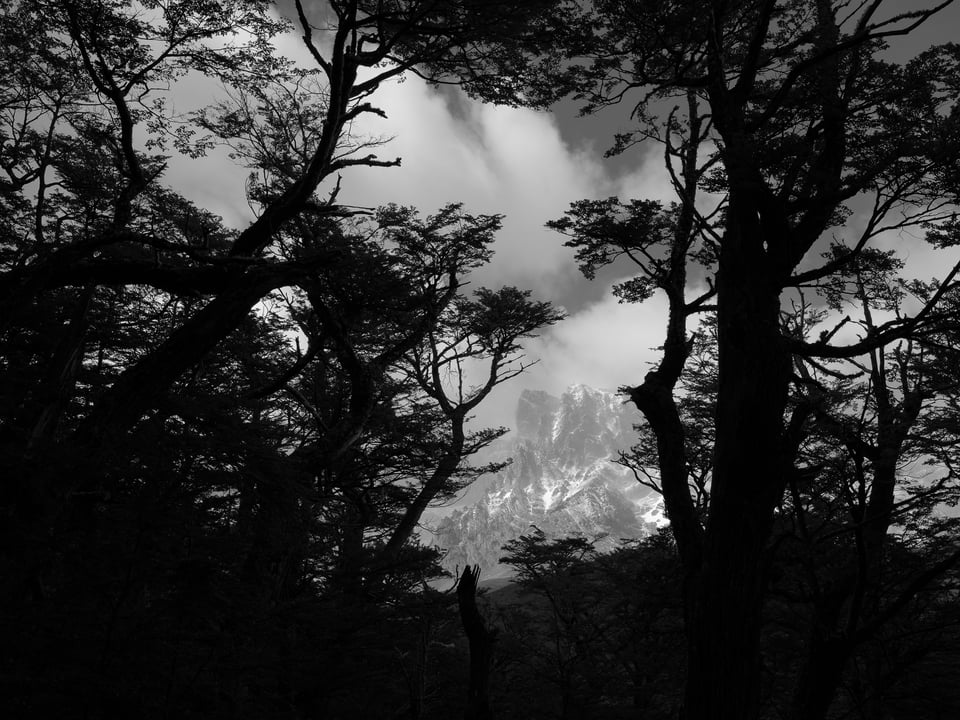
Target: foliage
[[795, 148], [593, 632], [217, 441]]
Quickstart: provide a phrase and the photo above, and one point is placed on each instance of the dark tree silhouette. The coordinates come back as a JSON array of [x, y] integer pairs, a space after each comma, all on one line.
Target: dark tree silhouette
[[791, 114], [481, 646], [216, 443]]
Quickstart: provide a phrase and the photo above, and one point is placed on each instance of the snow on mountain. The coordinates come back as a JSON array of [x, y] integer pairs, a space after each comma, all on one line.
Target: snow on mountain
[[562, 480]]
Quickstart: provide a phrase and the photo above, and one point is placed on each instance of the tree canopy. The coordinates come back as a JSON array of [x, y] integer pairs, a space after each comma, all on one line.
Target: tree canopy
[[795, 149], [217, 442]]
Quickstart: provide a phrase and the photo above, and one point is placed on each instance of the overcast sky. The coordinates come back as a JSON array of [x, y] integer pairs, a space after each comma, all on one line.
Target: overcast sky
[[528, 166], [517, 162]]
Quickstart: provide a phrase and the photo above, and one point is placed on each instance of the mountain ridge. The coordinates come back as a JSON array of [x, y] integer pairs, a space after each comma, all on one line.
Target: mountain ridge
[[562, 480]]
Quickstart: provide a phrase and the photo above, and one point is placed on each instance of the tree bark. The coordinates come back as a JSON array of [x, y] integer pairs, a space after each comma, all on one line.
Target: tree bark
[[726, 599], [481, 646], [820, 676], [438, 479]]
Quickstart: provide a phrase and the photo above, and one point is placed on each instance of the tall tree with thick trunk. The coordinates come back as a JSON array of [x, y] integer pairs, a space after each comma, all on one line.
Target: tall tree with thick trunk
[[789, 115]]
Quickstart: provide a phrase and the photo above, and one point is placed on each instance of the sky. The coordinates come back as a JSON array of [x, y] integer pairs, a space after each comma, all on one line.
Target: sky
[[517, 162], [528, 166]]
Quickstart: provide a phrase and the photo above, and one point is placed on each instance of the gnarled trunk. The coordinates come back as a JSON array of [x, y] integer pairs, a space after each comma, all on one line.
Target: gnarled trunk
[[481, 646], [725, 599]]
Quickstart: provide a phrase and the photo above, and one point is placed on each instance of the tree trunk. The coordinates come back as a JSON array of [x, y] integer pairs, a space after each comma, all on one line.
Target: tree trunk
[[725, 599], [820, 677], [278, 534], [481, 646]]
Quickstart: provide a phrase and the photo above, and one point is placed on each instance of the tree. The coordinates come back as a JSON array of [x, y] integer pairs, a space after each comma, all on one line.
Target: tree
[[873, 479], [105, 107], [216, 440], [790, 112], [596, 631], [481, 646]]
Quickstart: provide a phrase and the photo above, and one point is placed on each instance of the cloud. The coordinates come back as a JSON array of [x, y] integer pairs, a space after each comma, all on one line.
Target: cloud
[[508, 161], [495, 160], [606, 345], [501, 160], [515, 162]]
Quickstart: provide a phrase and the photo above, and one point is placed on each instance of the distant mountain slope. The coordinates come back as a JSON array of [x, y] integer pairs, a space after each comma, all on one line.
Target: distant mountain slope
[[562, 480]]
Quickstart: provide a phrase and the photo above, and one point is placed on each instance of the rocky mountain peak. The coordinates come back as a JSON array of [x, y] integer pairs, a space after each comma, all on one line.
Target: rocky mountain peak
[[580, 426], [535, 415], [562, 479]]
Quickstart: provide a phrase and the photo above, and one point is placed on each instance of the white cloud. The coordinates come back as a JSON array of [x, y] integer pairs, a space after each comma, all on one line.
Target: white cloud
[[605, 345], [495, 160], [515, 162]]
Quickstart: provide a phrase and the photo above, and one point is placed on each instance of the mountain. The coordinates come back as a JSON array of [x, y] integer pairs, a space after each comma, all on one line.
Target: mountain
[[562, 480]]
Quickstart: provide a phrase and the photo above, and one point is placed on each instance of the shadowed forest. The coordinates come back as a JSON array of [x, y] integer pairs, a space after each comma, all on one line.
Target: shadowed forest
[[218, 439]]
